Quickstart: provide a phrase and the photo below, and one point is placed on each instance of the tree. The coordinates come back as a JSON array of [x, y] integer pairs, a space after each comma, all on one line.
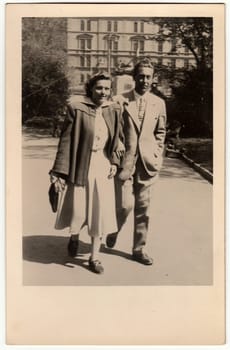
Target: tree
[[192, 88], [44, 71], [45, 87], [193, 103], [195, 33]]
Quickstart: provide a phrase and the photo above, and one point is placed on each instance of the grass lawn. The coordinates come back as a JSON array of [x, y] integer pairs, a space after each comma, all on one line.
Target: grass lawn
[[198, 149]]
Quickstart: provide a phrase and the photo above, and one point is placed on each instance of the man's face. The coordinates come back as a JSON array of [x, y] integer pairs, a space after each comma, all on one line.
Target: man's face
[[101, 91], [143, 80]]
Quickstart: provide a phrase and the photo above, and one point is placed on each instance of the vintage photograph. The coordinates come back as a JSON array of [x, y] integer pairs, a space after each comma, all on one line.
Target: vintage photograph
[[115, 174], [117, 114]]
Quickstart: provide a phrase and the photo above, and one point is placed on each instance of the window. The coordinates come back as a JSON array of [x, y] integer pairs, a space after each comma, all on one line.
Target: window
[[160, 46], [88, 61], [160, 61], [135, 45], [85, 44], [142, 45], [135, 27], [173, 63], [109, 26], [85, 61], [142, 27], [82, 61], [82, 44], [138, 45], [186, 50], [82, 25], [115, 26], [167, 62], [82, 78], [110, 43], [88, 25], [179, 63], [186, 64], [115, 45], [114, 61], [89, 44], [173, 45]]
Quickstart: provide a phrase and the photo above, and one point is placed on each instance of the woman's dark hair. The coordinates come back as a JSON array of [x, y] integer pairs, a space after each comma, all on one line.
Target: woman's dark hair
[[92, 81], [145, 62]]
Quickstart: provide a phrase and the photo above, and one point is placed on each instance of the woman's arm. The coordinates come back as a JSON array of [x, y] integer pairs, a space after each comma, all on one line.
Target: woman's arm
[[61, 163], [118, 144]]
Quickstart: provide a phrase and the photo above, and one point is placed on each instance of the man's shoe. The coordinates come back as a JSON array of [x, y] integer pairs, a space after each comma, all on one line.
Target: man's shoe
[[111, 239], [96, 266], [142, 258], [73, 247]]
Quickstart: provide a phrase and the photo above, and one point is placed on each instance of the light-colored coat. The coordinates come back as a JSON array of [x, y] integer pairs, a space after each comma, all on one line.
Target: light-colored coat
[[146, 141]]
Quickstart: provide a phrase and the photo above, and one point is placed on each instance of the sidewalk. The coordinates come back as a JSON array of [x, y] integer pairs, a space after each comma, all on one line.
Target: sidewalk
[[179, 240]]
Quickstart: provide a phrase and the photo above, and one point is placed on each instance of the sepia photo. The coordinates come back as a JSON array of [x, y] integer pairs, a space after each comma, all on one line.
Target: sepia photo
[[118, 148]]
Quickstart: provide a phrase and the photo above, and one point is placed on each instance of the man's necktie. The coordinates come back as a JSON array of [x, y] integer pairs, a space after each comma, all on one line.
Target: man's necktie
[[141, 110]]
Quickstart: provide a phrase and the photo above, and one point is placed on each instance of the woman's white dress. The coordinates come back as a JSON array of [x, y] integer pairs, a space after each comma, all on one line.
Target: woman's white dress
[[94, 204]]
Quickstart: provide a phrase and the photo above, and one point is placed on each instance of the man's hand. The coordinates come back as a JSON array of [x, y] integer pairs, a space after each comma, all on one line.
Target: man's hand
[[113, 171]]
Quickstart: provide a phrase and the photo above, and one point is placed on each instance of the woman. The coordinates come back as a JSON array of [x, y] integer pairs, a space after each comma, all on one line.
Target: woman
[[85, 164]]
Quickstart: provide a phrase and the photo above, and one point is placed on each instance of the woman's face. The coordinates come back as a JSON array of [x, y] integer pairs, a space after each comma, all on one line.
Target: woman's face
[[101, 91]]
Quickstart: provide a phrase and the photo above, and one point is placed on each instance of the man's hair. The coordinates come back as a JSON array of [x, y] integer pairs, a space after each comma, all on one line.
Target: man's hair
[[92, 81], [145, 62]]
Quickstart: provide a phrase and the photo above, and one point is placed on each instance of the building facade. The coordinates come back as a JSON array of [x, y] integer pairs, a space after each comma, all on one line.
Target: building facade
[[95, 44]]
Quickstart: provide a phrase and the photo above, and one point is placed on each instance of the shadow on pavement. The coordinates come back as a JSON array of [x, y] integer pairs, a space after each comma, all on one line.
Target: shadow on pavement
[[53, 250], [110, 251]]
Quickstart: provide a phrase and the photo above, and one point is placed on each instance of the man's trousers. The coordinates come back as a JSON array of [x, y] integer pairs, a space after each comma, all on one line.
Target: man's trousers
[[135, 194]]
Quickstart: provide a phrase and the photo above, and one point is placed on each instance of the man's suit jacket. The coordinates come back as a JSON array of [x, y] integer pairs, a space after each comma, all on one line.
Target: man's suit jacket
[[146, 141]]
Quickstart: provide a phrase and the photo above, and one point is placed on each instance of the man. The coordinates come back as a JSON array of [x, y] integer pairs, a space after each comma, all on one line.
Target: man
[[144, 118]]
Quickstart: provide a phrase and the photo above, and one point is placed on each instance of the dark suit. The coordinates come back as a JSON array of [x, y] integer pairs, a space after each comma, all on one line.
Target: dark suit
[[142, 161]]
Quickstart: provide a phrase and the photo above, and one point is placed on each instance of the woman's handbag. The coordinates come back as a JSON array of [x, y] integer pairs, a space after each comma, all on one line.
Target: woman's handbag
[[53, 197]]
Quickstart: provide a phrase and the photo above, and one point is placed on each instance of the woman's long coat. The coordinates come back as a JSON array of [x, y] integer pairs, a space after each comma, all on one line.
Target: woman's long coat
[[74, 152], [76, 141]]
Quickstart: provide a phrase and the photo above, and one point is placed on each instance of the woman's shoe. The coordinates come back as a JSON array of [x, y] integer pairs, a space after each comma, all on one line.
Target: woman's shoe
[[73, 247], [111, 239], [95, 266]]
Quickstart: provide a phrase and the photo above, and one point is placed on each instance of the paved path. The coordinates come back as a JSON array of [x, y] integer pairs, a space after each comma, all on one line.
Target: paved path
[[180, 236]]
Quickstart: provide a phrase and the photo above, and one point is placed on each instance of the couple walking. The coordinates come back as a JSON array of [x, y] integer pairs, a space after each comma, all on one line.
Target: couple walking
[[110, 151]]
